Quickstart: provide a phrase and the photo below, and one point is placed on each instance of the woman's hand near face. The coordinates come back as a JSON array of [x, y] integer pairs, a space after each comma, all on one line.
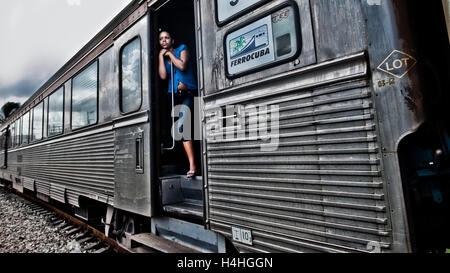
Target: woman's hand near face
[[162, 53]]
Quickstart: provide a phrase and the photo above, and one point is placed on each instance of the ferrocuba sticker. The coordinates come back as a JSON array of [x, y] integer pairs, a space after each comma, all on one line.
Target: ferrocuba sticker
[[250, 47], [269, 40]]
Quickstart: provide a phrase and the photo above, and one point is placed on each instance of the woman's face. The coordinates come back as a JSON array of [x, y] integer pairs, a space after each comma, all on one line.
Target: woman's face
[[165, 41]]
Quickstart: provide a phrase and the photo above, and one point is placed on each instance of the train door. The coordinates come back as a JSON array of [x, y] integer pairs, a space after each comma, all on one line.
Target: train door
[[180, 197], [180, 203]]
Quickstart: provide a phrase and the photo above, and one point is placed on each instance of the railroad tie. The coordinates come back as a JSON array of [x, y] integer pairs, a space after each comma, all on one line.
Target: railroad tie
[[64, 224], [81, 235], [73, 231], [102, 250], [58, 222], [87, 239], [69, 226], [93, 245]]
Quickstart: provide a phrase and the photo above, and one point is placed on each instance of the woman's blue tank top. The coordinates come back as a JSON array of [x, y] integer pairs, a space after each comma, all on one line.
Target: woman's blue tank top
[[187, 77]]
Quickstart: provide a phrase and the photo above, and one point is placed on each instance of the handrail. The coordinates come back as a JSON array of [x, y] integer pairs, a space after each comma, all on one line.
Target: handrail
[[172, 112]]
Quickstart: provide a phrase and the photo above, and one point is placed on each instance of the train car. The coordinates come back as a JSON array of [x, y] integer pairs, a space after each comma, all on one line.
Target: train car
[[320, 126]]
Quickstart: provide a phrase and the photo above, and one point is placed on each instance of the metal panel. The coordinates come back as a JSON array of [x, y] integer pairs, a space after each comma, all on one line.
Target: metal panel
[[73, 197], [42, 187], [17, 183], [399, 105], [133, 187], [211, 57], [28, 183], [321, 189], [58, 192], [7, 177], [85, 163], [339, 28]]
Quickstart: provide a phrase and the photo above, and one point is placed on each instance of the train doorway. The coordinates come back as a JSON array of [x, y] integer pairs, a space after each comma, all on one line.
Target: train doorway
[[180, 197]]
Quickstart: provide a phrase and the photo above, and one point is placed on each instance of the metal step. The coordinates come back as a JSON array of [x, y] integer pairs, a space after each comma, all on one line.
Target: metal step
[[182, 196], [159, 244], [192, 208], [142, 249]]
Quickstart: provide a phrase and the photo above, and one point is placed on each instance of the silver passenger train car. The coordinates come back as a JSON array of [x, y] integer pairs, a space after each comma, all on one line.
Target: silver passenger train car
[[320, 126]]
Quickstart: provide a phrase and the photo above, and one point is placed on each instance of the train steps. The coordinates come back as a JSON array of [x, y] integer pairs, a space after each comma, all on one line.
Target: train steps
[[182, 197], [150, 243]]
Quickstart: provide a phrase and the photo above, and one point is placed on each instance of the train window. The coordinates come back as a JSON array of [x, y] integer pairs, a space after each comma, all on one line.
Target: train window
[[13, 135], [85, 97], [131, 83], [25, 128], [56, 113], [38, 121], [271, 39], [18, 123], [17, 134]]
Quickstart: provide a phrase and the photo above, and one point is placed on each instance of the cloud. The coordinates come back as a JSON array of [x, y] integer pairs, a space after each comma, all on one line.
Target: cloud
[[40, 36], [23, 88]]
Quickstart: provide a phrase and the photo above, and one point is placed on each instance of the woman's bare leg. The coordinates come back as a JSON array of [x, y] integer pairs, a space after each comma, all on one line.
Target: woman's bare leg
[[189, 148]]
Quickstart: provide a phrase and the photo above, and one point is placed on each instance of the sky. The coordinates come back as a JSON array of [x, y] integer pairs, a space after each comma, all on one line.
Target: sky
[[37, 37]]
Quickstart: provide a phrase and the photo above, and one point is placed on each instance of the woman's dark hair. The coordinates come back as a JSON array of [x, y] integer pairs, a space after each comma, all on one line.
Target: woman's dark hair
[[165, 30]]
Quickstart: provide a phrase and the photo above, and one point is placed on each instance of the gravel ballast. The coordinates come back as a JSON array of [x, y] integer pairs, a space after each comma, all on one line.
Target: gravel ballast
[[24, 231]]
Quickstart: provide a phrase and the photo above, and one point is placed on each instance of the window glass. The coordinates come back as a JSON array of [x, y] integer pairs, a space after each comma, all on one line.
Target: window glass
[[25, 128], [284, 32], [38, 119], [131, 84], [13, 135], [84, 97], [56, 113], [17, 134]]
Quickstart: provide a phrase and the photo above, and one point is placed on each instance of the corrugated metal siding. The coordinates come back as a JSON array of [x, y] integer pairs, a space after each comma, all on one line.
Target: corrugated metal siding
[[57, 192], [321, 190], [43, 187], [81, 166], [28, 183]]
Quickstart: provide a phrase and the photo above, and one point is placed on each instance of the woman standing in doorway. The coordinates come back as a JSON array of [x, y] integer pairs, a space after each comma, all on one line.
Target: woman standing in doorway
[[184, 89]]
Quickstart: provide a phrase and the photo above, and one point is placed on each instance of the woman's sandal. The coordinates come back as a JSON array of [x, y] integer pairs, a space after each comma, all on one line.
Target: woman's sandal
[[190, 174]]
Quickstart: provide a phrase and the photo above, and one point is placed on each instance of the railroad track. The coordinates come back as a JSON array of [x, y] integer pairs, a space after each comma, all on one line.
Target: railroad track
[[90, 239]]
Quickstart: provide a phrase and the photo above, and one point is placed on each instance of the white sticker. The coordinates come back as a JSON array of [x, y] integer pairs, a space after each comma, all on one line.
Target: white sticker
[[267, 41], [250, 47], [242, 235]]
